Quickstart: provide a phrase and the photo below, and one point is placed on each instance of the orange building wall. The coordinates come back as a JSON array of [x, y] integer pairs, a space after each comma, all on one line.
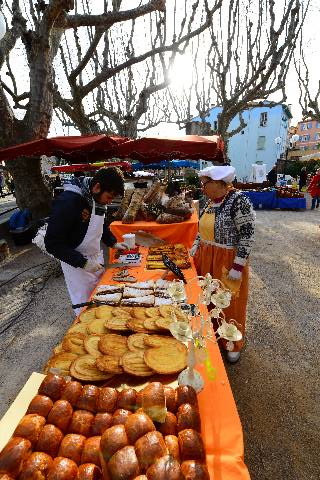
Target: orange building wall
[[313, 143]]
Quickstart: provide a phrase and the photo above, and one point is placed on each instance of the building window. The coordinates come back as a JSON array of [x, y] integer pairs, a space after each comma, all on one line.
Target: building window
[[261, 144], [318, 125], [303, 126], [317, 136], [215, 125], [304, 138], [263, 119], [309, 125]]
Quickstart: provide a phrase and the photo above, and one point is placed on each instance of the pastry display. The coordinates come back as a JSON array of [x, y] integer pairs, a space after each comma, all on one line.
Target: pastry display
[[177, 253], [117, 343]]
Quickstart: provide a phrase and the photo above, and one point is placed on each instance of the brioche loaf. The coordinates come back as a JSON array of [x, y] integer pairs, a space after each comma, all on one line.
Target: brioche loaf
[[41, 405], [49, 440], [13, 455], [60, 415]]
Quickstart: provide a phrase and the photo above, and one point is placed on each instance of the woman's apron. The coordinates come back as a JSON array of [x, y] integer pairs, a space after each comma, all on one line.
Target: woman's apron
[[79, 282], [217, 260]]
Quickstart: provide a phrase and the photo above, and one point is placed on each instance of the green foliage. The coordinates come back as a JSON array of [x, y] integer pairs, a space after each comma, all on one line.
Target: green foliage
[[294, 168], [193, 180]]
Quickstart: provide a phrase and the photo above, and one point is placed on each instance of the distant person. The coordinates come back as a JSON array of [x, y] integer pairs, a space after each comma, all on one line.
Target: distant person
[[314, 190], [272, 176], [303, 178]]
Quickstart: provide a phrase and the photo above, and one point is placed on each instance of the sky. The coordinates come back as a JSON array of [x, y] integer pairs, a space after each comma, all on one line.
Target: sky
[[179, 74]]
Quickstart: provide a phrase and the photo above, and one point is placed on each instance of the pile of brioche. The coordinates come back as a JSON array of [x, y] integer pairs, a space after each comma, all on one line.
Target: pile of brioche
[[76, 432]]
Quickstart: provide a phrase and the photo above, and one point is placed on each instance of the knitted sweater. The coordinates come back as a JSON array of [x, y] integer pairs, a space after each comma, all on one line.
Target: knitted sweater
[[234, 226]]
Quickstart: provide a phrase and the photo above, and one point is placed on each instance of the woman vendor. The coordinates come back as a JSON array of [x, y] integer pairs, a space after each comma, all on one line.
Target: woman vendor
[[222, 247]]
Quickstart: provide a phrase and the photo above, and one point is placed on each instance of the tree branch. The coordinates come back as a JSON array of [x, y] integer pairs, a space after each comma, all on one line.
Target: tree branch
[[110, 18]]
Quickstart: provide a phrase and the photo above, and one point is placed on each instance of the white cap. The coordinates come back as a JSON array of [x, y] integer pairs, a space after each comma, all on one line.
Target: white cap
[[225, 173]]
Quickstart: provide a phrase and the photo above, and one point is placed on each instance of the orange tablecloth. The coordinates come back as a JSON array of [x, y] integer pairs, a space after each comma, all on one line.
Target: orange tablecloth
[[221, 427], [184, 232]]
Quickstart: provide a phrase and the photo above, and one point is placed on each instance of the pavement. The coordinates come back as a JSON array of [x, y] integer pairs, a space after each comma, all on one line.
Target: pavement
[[275, 383]]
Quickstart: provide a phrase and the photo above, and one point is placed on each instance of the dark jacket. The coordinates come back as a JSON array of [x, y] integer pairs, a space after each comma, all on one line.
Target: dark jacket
[[68, 226]]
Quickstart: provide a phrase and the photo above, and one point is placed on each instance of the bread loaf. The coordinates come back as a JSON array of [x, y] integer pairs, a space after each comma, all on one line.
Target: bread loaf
[[193, 470], [60, 415], [107, 400], [101, 422], [172, 444], [169, 218], [90, 452], [81, 422], [89, 471], [188, 417], [135, 202], [41, 405], [113, 439], [124, 465], [124, 203], [149, 448], [88, 398], [191, 445], [49, 440], [63, 469], [169, 426], [72, 446], [36, 467], [186, 394], [13, 455], [165, 468], [170, 396], [120, 416], [52, 386], [137, 425], [72, 392], [154, 402], [30, 427], [127, 399]]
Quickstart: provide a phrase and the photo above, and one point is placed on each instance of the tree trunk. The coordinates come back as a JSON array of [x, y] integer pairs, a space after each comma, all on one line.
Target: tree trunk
[[30, 190]]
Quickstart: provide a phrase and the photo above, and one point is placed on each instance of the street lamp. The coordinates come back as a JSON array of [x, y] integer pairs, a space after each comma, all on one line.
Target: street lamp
[[3, 27]]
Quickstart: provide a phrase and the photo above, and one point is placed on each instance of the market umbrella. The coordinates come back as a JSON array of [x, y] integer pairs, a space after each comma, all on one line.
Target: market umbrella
[[155, 149], [85, 147], [85, 167]]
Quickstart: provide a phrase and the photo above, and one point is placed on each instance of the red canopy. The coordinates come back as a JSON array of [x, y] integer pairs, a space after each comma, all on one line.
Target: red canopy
[[154, 149], [86, 147], [85, 167]]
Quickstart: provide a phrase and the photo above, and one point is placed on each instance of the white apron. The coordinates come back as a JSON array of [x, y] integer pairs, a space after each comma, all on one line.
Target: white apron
[[79, 282]]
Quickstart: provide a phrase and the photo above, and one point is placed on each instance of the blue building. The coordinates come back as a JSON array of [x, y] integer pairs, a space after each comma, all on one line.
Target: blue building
[[262, 141]]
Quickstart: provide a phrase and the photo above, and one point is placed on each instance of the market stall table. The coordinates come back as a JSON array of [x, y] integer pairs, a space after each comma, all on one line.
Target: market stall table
[[270, 200], [221, 427], [184, 232]]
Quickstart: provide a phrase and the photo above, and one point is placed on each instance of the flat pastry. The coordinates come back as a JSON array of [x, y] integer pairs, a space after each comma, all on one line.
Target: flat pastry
[[168, 359], [87, 315], [162, 284], [133, 292], [136, 341], [117, 324], [109, 289], [150, 324], [74, 343], [91, 344], [84, 368], [137, 325], [104, 311], [62, 360], [147, 285], [133, 363], [108, 298], [96, 327], [109, 364], [113, 344], [162, 301], [139, 312], [145, 301], [152, 312]]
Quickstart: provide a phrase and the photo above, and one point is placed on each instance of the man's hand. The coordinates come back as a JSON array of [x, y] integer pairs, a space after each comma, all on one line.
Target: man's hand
[[120, 246], [92, 266]]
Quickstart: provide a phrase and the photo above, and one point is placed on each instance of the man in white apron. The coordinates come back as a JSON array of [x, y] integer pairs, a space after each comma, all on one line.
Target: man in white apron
[[76, 228]]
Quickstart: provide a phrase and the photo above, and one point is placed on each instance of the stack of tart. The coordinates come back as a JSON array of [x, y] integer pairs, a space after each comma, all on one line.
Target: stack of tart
[[176, 252], [109, 341]]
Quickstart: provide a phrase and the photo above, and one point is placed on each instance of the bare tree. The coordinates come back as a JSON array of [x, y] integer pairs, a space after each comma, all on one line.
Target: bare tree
[[248, 59], [97, 95]]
